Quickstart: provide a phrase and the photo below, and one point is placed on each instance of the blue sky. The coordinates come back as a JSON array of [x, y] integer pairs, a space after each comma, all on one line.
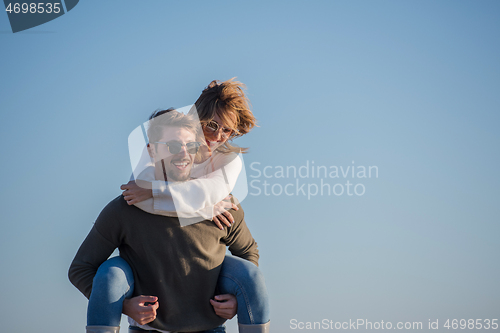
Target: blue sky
[[410, 87]]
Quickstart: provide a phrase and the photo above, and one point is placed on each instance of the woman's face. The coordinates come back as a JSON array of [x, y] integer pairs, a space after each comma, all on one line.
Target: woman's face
[[217, 134]]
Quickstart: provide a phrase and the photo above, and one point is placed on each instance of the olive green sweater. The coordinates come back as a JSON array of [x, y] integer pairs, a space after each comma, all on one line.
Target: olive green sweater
[[179, 265]]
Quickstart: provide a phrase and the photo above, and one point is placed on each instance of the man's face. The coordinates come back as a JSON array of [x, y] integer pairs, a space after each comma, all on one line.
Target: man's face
[[176, 166]]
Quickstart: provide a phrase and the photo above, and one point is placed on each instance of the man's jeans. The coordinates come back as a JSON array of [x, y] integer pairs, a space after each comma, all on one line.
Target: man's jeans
[[114, 281]]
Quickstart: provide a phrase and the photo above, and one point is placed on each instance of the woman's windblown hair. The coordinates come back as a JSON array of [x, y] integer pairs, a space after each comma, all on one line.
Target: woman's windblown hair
[[227, 100]]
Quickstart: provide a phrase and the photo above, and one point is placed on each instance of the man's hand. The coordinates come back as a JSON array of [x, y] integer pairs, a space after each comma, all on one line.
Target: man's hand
[[137, 309], [136, 192], [225, 306], [221, 214]]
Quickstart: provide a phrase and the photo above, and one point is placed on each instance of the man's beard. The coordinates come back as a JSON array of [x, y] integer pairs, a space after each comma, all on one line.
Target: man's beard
[[173, 173]]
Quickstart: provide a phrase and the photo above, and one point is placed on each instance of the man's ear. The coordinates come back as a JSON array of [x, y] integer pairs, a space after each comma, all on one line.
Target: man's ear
[[151, 151]]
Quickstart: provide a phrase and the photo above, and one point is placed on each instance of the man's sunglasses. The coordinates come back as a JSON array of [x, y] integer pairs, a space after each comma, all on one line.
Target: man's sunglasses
[[175, 147], [213, 126]]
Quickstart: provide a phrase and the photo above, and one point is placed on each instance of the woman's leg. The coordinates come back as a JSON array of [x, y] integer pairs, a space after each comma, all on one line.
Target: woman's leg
[[244, 280], [113, 282]]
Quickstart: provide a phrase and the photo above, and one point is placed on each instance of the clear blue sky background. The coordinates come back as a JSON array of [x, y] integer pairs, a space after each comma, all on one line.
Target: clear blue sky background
[[411, 87]]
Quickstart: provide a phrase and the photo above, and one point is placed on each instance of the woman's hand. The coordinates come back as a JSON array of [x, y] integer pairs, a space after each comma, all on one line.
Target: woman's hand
[[134, 193], [142, 309], [221, 214], [225, 306]]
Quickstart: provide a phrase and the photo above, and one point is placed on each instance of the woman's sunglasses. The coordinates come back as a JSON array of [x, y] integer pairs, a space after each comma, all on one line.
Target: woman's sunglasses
[[213, 126], [175, 147]]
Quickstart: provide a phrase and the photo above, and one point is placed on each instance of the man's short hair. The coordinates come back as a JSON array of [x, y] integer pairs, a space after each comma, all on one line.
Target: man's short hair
[[172, 118]]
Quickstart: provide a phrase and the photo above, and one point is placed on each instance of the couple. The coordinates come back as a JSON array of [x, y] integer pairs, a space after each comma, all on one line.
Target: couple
[[168, 277]]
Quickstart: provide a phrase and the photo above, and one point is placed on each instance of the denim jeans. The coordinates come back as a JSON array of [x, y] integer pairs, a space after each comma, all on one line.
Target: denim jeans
[[241, 278], [218, 329], [114, 281]]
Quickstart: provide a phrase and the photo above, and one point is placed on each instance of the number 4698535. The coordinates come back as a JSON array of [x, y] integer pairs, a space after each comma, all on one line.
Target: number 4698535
[[34, 8], [471, 324]]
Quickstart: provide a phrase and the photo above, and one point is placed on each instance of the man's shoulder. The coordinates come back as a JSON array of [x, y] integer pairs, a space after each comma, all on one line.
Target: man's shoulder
[[115, 207], [117, 203]]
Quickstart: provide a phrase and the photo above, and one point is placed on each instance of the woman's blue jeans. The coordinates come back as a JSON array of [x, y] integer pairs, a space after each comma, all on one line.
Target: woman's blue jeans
[[114, 281]]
